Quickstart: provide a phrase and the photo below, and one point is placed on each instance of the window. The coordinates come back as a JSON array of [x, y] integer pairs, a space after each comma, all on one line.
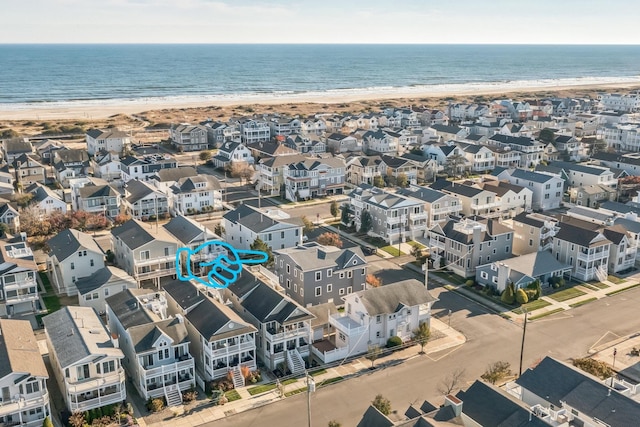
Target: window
[[495, 279], [295, 287], [73, 266], [318, 276], [349, 290], [163, 354], [166, 251], [341, 275], [378, 318], [106, 292], [144, 255], [349, 274], [109, 366], [288, 269], [80, 253], [295, 272], [282, 234], [506, 249], [32, 387], [484, 275], [91, 263], [82, 372], [329, 288], [329, 273], [84, 253], [341, 291], [318, 291], [288, 284]]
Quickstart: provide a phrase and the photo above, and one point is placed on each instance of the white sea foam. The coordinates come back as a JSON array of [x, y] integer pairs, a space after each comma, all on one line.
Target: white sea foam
[[319, 96]]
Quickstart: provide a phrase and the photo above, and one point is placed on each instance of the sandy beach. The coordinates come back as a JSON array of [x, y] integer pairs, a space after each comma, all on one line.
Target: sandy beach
[[163, 111]]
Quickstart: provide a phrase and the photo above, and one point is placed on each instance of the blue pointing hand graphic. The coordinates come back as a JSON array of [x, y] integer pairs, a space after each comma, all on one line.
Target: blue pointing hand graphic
[[225, 269]]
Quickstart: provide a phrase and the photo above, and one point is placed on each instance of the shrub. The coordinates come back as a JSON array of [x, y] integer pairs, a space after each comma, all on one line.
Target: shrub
[[532, 294], [394, 342], [47, 422], [508, 295], [470, 282], [155, 405], [521, 296], [382, 404], [189, 395], [594, 367]]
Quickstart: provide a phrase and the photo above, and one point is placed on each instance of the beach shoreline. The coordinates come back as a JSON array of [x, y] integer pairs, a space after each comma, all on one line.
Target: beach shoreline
[[92, 110]]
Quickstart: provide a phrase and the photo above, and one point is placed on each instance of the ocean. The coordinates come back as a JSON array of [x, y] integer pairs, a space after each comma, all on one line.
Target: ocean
[[107, 74]]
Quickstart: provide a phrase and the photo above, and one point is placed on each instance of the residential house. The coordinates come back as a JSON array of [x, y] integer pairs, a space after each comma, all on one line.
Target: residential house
[[155, 344], [448, 133], [578, 175], [46, 148], [144, 252], [426, 168], [284, 125], [195, 194], [271, 173], [623, 249], [570, 147], [266, 149], [308, 143], [23, 376], [94, 290], [530, 150], [592, 196], [480, 157], [547, 189], [45, 200], [106, 165], [7, 180], [566, 395], [96, 196], [143, 201], [363, 169], [283, 327], [110, 140], [314, 274], [313, 126], [505, 157], [10, 216], [622, 136], [18, 286], [219, 340], [230, 153], [397, 166], [340, 143], [28, 170], [186, 137], [394, 218], [586, 250], [72, 255], [374, 315], [86, 364], [218, 133], [164, 179], [473, 199], [15, 147], [379, 142], [521, 271], [438, 205], [513, 199], [134, 168], [70, 164], [532, 232], [466, 243], [253, 130], [314, 177], [245, 224], [625, 102]]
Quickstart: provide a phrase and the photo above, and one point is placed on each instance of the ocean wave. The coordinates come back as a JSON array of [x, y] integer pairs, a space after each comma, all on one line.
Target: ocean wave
[[320, 95]]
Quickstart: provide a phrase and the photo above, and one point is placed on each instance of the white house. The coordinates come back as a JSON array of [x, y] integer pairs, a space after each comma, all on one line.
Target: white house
[[195, 194], [274, 227], [232, 152], [18, 286], [143, 201], [86, 364], [106, 140], [547, 189], [45, 200], [106, 165], [10, 216], [95, 289], [73, 255], [23, 376]]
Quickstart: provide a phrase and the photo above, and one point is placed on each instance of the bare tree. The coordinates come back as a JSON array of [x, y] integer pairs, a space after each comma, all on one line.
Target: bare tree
[[452, 382]]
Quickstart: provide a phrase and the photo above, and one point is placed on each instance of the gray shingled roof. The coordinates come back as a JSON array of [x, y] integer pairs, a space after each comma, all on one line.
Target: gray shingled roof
[[144, 336], [391, 298], [102, 277], [67, 242], [531, 176], [256, 221], [313, 256], [184, 229], [137, 190], [183, 293], [214, 321], [127, 309]]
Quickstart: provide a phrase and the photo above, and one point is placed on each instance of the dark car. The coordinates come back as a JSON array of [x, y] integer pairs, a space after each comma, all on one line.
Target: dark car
[[369, 250]]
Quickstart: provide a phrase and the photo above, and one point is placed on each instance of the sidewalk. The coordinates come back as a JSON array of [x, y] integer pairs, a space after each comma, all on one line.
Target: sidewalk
[[444, 338]]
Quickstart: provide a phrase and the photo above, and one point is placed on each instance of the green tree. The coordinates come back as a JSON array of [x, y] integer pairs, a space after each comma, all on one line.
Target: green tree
[[23, 199], [378, 181], [260, 245], [47, 422], [521, 296], [496, 372], [373, 353], [334, 209], [509, 295], [205, 156], [402, 180], [219, 230], [547, 135], [344, 216], [421, 335], [308, 225], [334, 423], [382, 404], [454, 165], [366, 222]]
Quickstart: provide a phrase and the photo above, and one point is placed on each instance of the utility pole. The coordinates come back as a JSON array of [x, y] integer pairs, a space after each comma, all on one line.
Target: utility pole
[[524, 332], [613, 367], [311, 387]]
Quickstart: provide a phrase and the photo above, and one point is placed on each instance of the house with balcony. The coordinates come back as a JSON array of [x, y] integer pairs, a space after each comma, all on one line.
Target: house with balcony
[[18, 286], [623, 250], [587, 250], [394, 218], [253, 130], [230, 153], [426, 168], [448, 133], [276, 228], [592, 196], [106, 165], [195, 194], [10, 216], [547, 189], [186, 137], [532, 232], [134, 168], [106, 140], [147, 253], [94, 195], [530, 150], [143, 200], [363, 169], [94, 290], [521, 271], [467, 243], [189, 233], [438, 205], [45, 200], [397, 166], [480, 157], [339, 143], [164, 179], [307, 143], [28, 170], [374, 315], [271, 173], [313, 126], [512, 199], [562, 394], [505, 157], [85, 362], [314, 274], [280, 125], [155, 344], [379, 142], [72, 255], [219, 133], [473, 199], [283, 326], [314, 177], [70, 164], [24, 398], [7, 181], [221, 342]]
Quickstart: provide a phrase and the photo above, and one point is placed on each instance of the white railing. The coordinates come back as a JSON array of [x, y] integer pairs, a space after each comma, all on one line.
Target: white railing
[[22, 297], [231, 350], [331, 355], [433, 243], [299, 332], [169, 368], [155, 273], [347, 327], [22, 403], [95, 383], [592, 257], [155, 260], [98, 401]]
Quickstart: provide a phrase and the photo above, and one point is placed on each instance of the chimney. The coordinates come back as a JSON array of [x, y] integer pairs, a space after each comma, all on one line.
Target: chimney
[[455, 403]]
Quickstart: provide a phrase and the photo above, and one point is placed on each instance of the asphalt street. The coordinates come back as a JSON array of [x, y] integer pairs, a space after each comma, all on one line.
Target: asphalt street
[[489, 338]]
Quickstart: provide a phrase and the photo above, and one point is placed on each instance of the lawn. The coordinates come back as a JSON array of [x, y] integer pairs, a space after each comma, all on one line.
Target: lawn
[[45, 282], [533, 305], [567, 294], [583, 302], [392, 250], [332, 380], [616, 280], [416, 244], [600, 285], [296, 391], [263, 388], [450, 277], [318, 372], [548, 313], [233, 395], [289, 381], [52, 303]]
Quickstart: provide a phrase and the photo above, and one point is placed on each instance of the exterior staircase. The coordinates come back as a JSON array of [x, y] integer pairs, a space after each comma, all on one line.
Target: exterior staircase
[[236, 377], [601, 274], [173, 395], [295, 362]]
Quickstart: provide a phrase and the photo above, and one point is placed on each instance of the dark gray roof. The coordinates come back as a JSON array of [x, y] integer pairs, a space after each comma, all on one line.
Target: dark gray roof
[[592, 170], [391, 298], [67, 242], [462, 190], [374, 418], [132, 234], [525, 218], [17, 145], [184, 229], [560, 384], [425, 194], [102, 277], [90, 191], [531, 176], [618, 158], [266, 304], [512, 140], [144, 336], [214, 321], [183, 293], [619, 207], [446, 129], [573, 234], [488, 405], [126, 308], [104, 134], [255, 220], [137, 190], [72, 156], [313, 256]]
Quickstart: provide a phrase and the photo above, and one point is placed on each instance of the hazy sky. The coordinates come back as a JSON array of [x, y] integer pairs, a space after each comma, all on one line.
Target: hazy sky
[[319, 21]]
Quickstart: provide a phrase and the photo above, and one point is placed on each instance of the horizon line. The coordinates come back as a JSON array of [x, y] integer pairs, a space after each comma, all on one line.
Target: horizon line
[[306, 44]]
